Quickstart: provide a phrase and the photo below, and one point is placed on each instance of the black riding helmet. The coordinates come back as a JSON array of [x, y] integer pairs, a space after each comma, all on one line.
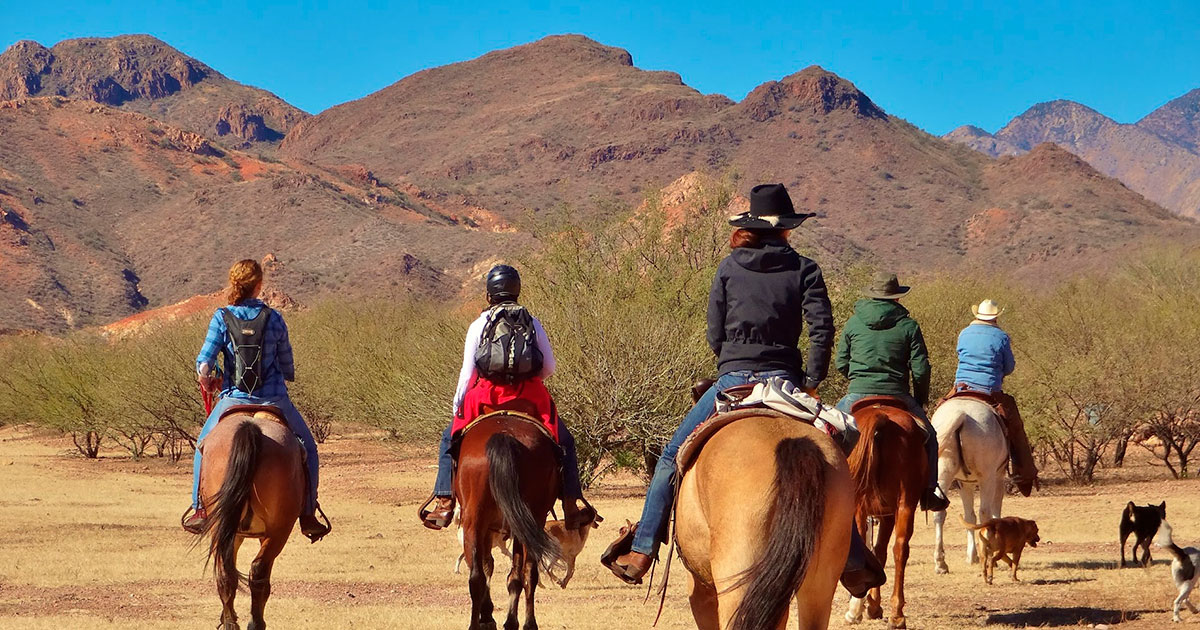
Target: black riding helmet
[[503, 283]]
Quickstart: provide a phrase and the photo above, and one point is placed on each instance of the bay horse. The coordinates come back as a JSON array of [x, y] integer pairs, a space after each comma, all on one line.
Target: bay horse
[[750, 557], [507, 481], [973, 450], [252, 483], [889, 468]]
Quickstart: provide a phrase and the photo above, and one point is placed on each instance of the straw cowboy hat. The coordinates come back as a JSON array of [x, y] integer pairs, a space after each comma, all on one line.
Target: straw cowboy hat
[[770, 208], [986, 311], [885, 286]]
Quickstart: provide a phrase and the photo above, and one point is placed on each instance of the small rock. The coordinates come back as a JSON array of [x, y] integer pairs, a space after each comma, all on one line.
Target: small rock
[[377, 536]]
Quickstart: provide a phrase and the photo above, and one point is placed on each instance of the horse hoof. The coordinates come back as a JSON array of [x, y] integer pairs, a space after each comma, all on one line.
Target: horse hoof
[[874, 614], [942, 569], [853, 619], [254, 625], [899, 622]]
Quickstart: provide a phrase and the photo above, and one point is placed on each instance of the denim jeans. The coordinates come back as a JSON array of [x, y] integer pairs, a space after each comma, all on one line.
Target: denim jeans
[[295, 423], [931, 442], [660, 497], [443, 486]]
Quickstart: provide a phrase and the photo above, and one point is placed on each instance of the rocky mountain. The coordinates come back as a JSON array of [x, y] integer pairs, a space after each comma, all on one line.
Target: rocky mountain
[[105, 212], [142, 74], [1178, 121], [566, 120], [1155, 157]]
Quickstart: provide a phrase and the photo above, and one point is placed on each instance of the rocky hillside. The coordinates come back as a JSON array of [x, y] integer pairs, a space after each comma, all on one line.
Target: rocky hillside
[[566, 120], [142, 74], [1156, 157], [107, 212]]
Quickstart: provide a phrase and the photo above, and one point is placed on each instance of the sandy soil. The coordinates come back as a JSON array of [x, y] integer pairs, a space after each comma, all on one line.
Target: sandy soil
[[96, 544]]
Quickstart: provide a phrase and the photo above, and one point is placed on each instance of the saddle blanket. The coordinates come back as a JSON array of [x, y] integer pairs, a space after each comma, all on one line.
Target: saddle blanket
[[783, 396]]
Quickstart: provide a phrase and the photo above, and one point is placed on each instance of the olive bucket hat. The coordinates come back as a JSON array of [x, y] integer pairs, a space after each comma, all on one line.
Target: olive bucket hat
[[885, 286]]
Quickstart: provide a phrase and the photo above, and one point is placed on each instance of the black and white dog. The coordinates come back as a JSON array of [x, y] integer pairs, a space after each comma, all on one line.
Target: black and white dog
[[1142, 520], [1183, 569]]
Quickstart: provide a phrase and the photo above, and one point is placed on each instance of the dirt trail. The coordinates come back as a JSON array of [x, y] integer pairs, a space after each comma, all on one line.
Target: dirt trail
[[96, 544]]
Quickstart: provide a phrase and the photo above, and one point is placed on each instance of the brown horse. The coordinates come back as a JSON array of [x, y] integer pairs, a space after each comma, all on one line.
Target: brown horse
[[252, 484], [507, 481], [889, 468], [750, 557]]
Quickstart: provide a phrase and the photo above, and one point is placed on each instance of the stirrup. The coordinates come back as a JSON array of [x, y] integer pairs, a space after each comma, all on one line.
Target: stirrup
[[328, 526]]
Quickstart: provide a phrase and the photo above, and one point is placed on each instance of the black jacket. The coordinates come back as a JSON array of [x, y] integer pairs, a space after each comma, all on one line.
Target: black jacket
[[754, 310]]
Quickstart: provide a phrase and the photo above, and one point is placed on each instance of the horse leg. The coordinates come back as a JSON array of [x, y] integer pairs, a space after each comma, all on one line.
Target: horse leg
[[882, 538], [516, 585], [967, 492], [991, 497], [854, 612], [227, 586], [704, 606], [531, 584], [260, 579], [947, 471], [904, 529], [478, 551]]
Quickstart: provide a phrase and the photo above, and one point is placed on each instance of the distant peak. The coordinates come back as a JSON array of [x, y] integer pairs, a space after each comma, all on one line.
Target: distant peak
[[812, 88], [1061, 106], [567, 48], [968, 131]]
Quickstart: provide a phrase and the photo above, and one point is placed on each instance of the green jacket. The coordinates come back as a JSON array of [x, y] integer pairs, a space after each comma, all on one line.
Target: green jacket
[[879, 347]]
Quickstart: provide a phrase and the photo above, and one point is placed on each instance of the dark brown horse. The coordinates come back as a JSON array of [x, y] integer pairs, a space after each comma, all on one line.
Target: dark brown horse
[[507, 481], [252, 484], [889, 469]]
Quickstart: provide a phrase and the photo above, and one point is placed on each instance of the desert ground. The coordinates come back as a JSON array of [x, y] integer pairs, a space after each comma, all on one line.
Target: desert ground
[[96, 544]]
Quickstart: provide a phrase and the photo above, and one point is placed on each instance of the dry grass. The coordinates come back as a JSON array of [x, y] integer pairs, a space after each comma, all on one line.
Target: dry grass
[[95, 544]]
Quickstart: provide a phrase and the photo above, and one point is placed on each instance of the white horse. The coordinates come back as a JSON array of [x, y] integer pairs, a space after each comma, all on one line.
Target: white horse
[[973, 450]]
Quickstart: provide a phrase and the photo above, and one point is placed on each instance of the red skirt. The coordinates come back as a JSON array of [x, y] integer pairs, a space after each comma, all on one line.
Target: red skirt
[[529, 396]]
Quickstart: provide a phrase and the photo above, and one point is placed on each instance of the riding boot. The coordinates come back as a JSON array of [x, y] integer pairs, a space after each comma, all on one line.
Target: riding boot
[[863, 571], [932, 499], [1024, 470], [194, 524], [441, 515], [312, 527]]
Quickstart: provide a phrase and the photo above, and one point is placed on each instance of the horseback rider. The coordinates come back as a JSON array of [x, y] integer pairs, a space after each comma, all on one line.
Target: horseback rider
[[250, 381], [879, 347], [754, 328], [479, 390], [985, 357]]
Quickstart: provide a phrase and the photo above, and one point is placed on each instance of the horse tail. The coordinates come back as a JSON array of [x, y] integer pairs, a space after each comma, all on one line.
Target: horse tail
[[503, 452], [233, 499], [795, 525], [864, 464]]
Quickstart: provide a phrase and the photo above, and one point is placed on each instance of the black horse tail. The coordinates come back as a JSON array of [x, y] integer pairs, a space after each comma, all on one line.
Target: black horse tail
[[232, 500], [503, 451], [795, 525]]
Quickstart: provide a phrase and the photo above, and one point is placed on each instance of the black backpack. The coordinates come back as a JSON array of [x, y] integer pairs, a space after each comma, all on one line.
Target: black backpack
[[247, 337], [507, 350]]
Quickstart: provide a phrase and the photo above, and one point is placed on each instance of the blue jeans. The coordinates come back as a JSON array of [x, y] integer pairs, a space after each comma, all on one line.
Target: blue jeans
[[295, 423], [660, 497], [443, 486], [931, 442]]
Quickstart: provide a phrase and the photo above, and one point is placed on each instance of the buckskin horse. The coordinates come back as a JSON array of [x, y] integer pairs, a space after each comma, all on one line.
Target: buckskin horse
[[749, 558], [507, 480], [889, 468], [973, 450], [252, 483]]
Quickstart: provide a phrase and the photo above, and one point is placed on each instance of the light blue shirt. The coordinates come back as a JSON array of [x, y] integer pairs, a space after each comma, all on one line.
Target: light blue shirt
[[985, 357]]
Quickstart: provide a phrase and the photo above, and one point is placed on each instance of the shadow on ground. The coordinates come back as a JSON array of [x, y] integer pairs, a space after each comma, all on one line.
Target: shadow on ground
[[1064, 616]]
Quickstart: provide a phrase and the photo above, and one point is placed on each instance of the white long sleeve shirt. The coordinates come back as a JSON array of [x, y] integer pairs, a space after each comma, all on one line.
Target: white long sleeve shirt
[[467, 374]]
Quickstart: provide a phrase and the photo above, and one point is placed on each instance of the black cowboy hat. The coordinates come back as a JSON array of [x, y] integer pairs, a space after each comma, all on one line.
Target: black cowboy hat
[[885, 286], [770, 208]]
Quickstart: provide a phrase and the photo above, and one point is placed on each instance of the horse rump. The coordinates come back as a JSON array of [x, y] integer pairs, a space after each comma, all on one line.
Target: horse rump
[[795, 523], [231, 501], [503, 453]]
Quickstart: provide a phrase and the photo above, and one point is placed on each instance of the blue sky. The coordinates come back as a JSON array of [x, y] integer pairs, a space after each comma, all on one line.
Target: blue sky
[[937, 64]]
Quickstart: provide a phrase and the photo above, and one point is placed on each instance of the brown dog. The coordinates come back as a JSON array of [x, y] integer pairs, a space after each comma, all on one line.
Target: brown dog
[[1004, 539], [571, 542]]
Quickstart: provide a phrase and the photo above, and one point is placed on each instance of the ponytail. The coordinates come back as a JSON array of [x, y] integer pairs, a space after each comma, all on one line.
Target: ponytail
[[244, 277]]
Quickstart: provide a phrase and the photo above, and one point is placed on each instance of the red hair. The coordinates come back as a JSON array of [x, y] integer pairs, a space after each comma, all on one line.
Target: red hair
[[753, 237]]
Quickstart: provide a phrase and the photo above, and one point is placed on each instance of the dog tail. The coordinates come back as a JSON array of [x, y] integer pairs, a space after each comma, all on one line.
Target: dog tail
[[1187, 570], [983, 525]]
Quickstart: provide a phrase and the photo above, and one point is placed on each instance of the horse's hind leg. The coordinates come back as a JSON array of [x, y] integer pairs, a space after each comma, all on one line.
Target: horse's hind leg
[[904, 530], [479, 564], [967, 492], [516, 584], [704, 606], [882, 538], [531, 584], [227, 586], [260, 580]]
